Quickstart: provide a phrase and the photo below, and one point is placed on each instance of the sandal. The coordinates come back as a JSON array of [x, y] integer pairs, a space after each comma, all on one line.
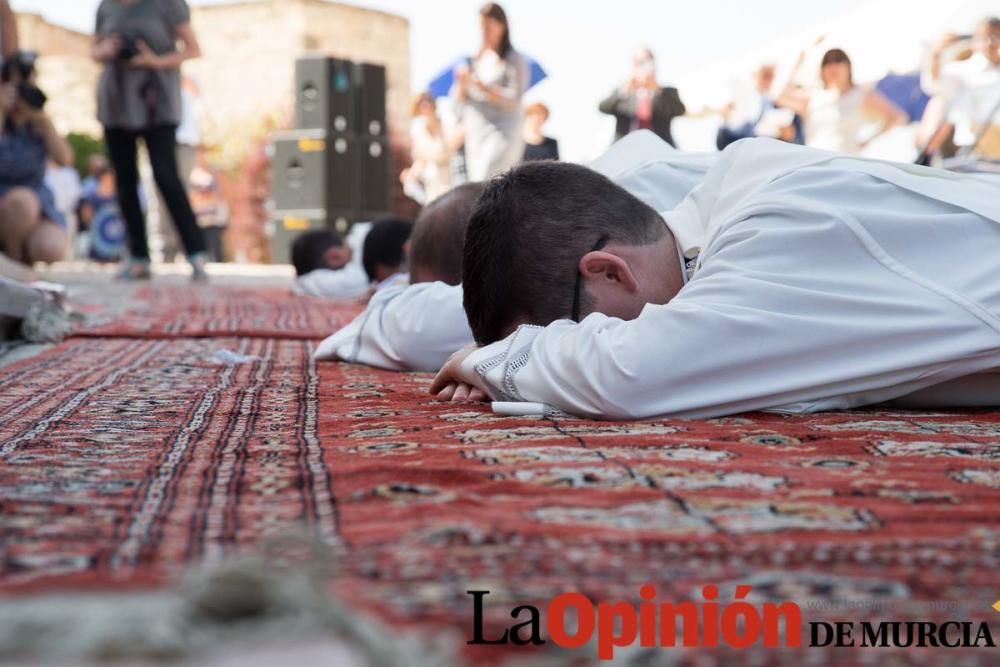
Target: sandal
[[198, 262], [134, 269]]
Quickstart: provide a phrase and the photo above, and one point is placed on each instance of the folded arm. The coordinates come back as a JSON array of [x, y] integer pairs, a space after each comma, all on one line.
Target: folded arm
[[404, 328]]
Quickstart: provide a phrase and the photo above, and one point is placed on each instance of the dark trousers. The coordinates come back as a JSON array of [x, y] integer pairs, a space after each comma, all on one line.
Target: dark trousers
[[161, 144], [213, 239]]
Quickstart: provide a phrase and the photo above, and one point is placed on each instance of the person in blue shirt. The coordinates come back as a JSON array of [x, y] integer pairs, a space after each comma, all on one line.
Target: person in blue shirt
[[31, 227]]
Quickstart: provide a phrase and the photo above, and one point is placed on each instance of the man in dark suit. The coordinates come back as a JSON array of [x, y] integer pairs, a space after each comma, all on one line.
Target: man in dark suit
[[641, 104]]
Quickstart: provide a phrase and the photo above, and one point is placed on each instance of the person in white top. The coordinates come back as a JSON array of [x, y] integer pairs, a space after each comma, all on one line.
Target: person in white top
[[431, 147], [792, 279], [347, 282], [489, 90], [836, 114], [966, 92], [417, 327]]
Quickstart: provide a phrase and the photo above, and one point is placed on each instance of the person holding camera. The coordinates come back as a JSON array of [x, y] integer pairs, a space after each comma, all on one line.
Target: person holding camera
[[488, 89], [966, 91], [641, 103], [31, 227], [142, 44]]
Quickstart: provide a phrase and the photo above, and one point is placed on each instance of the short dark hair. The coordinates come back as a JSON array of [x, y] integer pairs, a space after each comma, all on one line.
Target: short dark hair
[[527, 235], [384, 245], [308, 250], [438, 238]]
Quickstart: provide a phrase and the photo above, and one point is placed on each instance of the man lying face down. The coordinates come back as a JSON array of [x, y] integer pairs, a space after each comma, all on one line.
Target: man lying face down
[[373, 256], [792, 279], [418, 327]]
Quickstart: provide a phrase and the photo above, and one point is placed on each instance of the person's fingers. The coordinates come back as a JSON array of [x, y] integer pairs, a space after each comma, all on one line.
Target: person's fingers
[[447, 392], [461, 392], [477, 395], [441, 380]]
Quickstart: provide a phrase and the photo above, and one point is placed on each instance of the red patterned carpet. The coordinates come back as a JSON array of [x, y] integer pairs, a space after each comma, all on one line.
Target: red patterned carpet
[[124, 461], [171, 311]]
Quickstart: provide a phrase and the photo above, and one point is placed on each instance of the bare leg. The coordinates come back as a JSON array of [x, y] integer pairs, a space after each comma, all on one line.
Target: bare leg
[[15, 270], [20, 212], [47, 243]]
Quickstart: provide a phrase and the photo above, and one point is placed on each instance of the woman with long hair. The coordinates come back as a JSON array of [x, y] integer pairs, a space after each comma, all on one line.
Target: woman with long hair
[[489, 89], [835, 114]]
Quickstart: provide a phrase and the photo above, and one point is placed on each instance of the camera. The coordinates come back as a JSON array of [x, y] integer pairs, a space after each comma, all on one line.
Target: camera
[[22, 64], [129, 49]]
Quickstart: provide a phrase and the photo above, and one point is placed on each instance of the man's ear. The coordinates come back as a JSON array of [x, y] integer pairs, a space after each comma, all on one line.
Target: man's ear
[[601, 266]]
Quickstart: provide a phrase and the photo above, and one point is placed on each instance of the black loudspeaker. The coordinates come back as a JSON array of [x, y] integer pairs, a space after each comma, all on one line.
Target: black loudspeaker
[[314, 171], [369, 95], [374, 192], [325, 95]]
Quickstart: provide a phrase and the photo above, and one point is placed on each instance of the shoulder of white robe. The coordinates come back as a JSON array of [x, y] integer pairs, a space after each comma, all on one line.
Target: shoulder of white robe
[[630, 151]]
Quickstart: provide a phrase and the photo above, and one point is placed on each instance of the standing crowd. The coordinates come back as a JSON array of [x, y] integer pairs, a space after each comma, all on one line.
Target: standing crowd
[[952, 102]]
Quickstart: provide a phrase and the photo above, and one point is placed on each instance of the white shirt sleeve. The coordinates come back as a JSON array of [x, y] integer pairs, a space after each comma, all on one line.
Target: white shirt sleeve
[[412, 327], [347, 283]]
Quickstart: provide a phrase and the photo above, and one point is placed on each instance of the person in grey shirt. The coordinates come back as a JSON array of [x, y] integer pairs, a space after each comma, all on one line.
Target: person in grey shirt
[[142, 44]]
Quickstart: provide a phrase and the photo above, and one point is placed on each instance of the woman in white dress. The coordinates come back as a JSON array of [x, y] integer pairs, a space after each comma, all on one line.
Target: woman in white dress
[[489, 89], [835, 115]]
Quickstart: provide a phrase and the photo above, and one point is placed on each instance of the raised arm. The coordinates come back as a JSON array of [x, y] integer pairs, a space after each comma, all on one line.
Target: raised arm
[[615, 103], [876, 105], [8, 29], [56, 146]]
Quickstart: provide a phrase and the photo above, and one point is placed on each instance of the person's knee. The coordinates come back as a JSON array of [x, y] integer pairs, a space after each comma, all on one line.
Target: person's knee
[[47, 244], [20, 207]]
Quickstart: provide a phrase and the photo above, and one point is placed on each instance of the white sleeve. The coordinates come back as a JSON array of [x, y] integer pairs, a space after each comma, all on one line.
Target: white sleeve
[[346, 283], [412, 327]]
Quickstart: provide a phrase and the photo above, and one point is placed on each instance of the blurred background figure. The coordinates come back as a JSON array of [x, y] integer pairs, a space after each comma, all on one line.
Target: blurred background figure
[[210, 208], [836, 114], [537, 146], [641, 103], [101, 234], [9, 44], [64, 182], [431, 148], [755, 113], [32, 228], [963, 76], [490, 88], [139, 96]]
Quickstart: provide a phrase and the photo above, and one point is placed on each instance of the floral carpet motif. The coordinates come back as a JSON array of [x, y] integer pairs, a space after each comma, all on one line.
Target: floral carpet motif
[[124, 461]]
